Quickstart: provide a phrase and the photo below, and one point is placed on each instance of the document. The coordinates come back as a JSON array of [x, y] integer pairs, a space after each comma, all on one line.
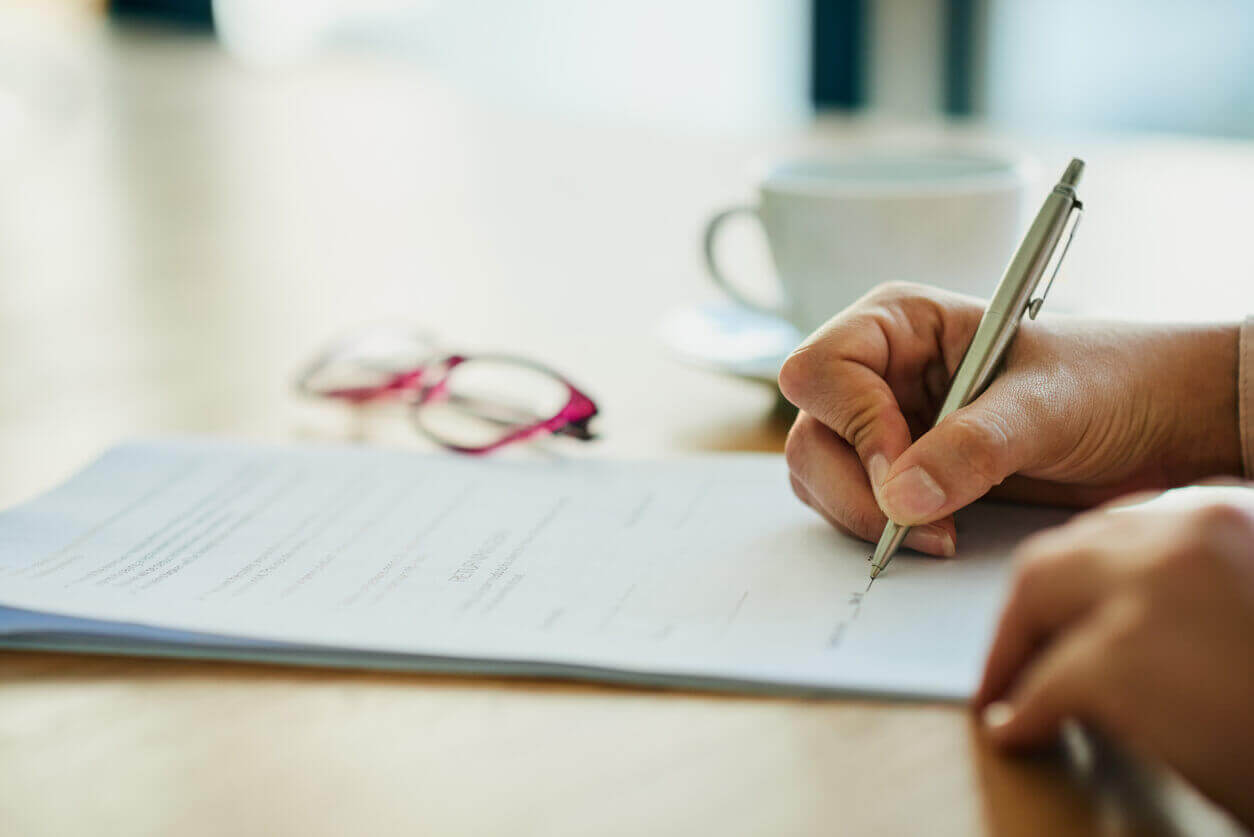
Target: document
[[700, 571]]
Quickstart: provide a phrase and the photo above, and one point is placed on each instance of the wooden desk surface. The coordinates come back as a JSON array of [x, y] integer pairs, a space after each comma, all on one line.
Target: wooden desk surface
[[184, 232]]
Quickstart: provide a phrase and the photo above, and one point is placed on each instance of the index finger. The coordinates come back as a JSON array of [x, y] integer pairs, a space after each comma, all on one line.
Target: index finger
[[838, 376], [1059, 579], [888, 354]]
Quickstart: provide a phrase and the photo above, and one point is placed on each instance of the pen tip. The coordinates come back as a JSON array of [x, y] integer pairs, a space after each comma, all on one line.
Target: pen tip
[[875, 571]]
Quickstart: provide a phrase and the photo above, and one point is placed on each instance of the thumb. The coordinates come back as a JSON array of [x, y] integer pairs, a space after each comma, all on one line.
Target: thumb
[[960, 459]]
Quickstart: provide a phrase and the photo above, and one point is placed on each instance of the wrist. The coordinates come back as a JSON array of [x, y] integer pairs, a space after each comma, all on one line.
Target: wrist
[[1206, 413]]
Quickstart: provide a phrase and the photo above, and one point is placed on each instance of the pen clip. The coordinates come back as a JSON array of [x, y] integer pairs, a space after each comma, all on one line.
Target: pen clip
[[1034, 307]]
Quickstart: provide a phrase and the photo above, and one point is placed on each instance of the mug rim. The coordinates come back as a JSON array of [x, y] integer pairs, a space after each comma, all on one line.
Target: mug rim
[[1013, 172]]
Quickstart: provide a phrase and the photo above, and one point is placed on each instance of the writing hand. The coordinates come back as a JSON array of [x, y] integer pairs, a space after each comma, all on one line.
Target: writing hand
[[1080, 413]]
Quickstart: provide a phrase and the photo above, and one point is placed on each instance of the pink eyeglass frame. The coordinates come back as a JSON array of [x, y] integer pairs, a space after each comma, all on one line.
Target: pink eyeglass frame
[[412, 385]]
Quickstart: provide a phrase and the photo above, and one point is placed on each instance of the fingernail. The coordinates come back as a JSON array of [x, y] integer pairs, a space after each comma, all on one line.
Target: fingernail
[[931, 539], [877, 467], [997, 714], [911, 495]]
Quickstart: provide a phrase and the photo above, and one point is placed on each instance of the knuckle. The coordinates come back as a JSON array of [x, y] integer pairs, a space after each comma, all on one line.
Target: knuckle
[[862, 419], [810, 372], [1204, 537], [798, 374], [1224, 519], [895, 291], [1177, 556], [981, 442]]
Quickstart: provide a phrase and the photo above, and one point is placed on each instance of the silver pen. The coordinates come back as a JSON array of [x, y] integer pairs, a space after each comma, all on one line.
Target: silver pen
[[1014, 297]]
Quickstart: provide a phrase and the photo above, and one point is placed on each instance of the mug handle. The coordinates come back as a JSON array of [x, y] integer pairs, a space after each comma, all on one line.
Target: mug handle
[[716, 274]]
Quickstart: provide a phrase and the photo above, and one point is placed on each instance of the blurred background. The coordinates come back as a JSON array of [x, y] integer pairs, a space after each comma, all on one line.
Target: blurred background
[[741, 65], [197, 194], [1118, 64]]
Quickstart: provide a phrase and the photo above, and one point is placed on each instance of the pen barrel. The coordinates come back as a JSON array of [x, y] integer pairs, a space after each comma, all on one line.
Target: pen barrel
[[1000, 321]]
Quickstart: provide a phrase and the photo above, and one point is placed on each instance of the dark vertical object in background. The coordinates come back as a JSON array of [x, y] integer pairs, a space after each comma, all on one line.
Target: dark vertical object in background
[[839, 53], [960, 46], [196, 13]]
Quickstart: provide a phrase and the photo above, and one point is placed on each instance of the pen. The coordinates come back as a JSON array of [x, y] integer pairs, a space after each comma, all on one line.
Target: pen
[[1013, 298]]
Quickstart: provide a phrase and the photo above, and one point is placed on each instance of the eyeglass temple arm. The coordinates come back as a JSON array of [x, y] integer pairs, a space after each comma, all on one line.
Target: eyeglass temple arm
[[483, 410]]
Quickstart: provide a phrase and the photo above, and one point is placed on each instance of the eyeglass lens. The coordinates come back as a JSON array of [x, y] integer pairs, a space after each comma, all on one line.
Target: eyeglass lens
[[483, 400], [371, 359]]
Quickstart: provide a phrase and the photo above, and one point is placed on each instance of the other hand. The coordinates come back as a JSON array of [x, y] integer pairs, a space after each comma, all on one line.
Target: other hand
[[1139, 621]]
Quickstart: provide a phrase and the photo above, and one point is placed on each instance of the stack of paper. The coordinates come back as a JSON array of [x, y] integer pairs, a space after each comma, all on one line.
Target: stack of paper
[[702, 571]]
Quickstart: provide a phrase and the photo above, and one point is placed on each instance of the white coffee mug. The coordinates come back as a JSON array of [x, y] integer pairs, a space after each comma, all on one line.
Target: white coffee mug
[[838, 225]]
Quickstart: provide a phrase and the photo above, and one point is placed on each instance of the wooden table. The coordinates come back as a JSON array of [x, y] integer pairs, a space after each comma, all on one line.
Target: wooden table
[[185, 231]]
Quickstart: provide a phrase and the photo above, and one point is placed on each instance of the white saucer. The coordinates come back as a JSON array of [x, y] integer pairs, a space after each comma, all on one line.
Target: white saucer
[[725, 337]]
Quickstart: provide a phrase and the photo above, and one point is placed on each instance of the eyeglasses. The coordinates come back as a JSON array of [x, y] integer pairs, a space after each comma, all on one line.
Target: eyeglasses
[[471, 405]]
